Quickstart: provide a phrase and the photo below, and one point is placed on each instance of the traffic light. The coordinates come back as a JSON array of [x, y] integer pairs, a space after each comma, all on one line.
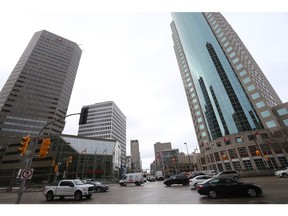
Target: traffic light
[[70, 159], [24, 145], [44, 147]]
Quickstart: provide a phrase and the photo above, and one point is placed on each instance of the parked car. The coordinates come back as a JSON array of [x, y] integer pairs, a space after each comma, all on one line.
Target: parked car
[[282, 173], [177, 179], [196, 173], [228, 174], [151, 178], [99, 187], [198, 179], [215, 187]]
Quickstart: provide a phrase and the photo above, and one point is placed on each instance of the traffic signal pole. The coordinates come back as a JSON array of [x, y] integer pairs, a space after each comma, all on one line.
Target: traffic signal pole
[[31, 156]]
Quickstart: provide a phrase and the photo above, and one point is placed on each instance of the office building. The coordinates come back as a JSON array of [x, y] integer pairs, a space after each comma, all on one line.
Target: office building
[[239, 120], [135, 156], [104, 120], [39, 88]]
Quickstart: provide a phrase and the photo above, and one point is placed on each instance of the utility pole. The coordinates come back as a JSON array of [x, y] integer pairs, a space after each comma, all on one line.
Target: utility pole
[[188, 157], [31, 156]]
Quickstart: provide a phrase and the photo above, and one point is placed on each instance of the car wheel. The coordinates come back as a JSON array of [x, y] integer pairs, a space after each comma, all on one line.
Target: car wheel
[[98, 190], [284, 175], [88, 196], [212, 194], [78, 195], [49, 196], [121, 184], [252, 192]]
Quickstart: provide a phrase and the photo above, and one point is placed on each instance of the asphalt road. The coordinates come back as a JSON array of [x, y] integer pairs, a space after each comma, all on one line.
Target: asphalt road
[[275, 192]]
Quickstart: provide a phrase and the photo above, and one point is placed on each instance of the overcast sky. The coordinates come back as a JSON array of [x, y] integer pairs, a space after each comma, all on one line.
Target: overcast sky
[[128, 58]]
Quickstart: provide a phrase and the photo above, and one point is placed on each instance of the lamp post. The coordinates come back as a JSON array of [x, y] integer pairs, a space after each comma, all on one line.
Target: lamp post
[[188, 156]]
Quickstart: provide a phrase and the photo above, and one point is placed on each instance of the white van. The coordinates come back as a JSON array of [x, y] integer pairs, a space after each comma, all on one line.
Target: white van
[[132, 178]]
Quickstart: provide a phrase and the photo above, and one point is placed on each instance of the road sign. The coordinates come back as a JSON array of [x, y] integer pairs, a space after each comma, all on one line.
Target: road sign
[[26, 174]]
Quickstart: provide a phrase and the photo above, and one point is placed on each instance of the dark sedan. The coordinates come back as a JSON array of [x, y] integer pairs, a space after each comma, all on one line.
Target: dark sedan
[[99, 187], [177, 179], [215, 187]]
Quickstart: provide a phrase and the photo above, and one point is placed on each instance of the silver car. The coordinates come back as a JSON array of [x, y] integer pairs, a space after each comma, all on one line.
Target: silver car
[[233, 174]]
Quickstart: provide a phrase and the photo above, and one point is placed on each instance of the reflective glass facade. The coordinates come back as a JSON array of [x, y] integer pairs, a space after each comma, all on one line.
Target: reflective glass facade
[[226, 109]]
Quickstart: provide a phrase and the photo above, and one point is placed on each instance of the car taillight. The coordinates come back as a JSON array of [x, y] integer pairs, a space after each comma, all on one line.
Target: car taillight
[[199, 186]]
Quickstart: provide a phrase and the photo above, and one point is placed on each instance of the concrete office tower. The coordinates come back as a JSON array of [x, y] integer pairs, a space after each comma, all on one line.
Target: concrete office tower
[[135, 156], [159, 147], [230, 99], [39, 88], [104, 120]]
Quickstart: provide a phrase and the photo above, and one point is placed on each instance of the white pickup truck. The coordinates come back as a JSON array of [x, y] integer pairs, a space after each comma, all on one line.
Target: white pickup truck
[[68, 187]]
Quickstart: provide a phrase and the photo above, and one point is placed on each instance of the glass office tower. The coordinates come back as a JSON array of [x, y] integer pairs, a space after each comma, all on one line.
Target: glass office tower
[[39, 88], [229, 96]]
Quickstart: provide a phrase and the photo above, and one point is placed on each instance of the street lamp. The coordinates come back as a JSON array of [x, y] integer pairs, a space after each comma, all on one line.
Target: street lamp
[[188, 156]]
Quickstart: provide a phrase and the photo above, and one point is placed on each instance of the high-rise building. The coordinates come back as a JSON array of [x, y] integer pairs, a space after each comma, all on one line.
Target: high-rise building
[[104, 120], [135, 156], [237, 115], [39, 88]]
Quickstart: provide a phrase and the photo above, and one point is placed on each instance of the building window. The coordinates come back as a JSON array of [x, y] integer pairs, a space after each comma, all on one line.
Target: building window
[[239, 66], [218, 30], [246, 80], [226, 44], [223, 39], [236, 165], [201, 126], [232, 153], [260, 104], [255, 95], [283, 161], [229, 49], [243, 73], [232, 54], [235, 60], [220, 167], [227, 141], [282, 111], [265, 114], [248, 164], [251, 87], [218, 144], [264, 136], [260, 164], [217, 157], [242, 151], [271, 124], [221, 34], [239, 140], [227, 166], [285, 121], [253, 150]]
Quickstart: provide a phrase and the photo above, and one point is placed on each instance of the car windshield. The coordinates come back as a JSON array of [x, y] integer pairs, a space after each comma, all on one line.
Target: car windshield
[[78, 182]]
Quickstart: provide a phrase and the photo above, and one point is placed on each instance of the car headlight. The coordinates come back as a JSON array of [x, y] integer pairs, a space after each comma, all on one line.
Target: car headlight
[[85, 188]]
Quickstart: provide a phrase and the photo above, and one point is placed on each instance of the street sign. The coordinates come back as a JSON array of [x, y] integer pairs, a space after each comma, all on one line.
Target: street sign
[[26, 174]]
